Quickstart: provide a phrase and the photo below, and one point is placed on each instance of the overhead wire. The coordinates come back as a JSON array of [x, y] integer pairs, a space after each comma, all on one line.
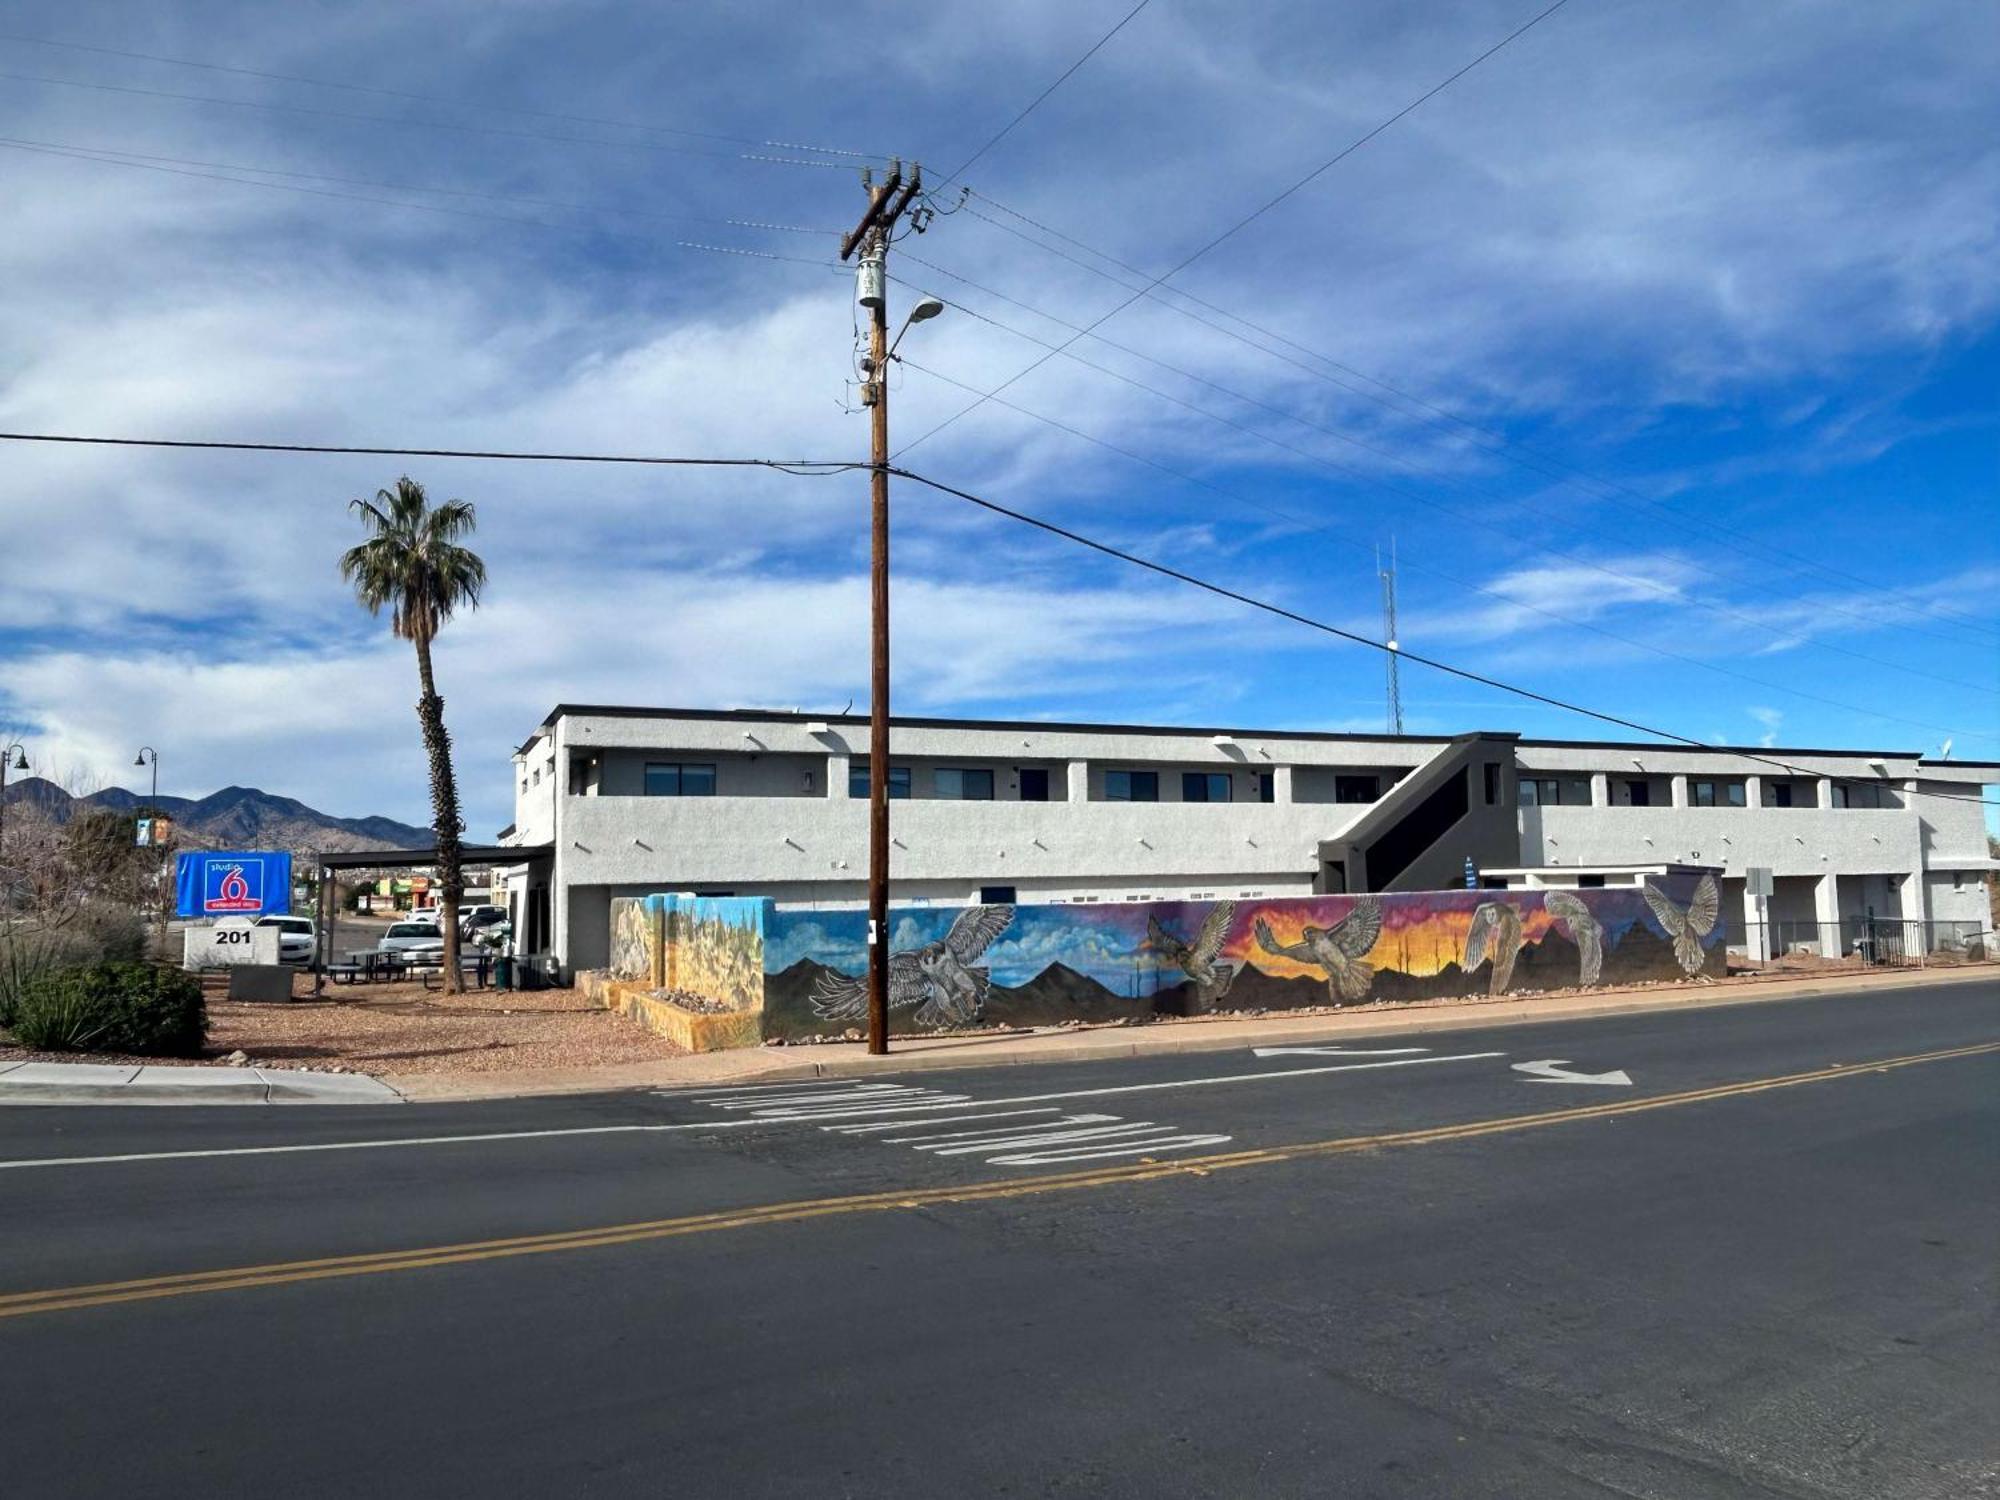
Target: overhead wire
[[827, 467], [1504, 446], [388, 93], [1035, 103], [1257, 213], [1420, 659]]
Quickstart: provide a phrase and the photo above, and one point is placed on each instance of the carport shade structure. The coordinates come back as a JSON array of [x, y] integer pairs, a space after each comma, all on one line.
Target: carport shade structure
[[402, 859]]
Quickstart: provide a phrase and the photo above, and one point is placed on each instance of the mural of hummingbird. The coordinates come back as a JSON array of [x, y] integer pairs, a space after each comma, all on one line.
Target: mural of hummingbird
[[940, 979], [1687, 927], [1580, 927], [1197, 960], [1336, 950], [1495, 934]]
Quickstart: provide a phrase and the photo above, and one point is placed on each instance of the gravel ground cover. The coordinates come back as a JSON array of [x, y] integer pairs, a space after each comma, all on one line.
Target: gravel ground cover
[[403, 1028]]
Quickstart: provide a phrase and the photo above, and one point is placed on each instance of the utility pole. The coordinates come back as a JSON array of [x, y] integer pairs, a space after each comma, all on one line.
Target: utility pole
[[1392, 656], [886, 203]]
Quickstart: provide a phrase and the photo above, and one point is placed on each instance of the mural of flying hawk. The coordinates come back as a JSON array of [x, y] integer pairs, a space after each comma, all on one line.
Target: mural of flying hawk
[[1337, 950], [1197, 959], [1495, 934], [1580, 927], [940, 978], [1688, 927]]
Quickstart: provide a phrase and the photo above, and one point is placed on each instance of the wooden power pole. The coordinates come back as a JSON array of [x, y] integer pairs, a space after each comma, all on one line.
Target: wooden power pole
[[886, 202]]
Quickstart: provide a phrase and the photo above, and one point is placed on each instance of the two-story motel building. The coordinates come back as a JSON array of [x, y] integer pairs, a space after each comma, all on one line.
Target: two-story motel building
[[625, 801]]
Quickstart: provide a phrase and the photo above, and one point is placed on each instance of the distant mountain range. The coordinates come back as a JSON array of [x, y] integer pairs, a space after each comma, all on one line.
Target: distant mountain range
[[237, 817]]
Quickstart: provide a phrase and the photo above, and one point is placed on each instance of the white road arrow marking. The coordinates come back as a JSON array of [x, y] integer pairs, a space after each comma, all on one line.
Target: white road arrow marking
[[1338, 1051], [1552, 1070]]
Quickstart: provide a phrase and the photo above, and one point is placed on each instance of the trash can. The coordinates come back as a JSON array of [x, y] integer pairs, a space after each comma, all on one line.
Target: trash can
[[503, 972]]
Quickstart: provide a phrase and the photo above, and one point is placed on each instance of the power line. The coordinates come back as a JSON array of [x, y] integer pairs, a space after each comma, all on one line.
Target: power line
[[827, 467], [1257, 213], [401, 122], [119, 156], [1465, 674], [1374, 482], [1034, 103], [1503, 446], [1507, 600], [804, 467], [112, 160], [388, 93]]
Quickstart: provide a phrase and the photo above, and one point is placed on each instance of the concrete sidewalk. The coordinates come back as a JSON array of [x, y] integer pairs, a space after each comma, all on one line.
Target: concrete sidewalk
[[1208, 1034], [153, 1083]]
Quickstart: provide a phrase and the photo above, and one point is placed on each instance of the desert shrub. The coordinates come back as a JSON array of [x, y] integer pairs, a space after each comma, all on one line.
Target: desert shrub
[[112, 1007], [99, 934]]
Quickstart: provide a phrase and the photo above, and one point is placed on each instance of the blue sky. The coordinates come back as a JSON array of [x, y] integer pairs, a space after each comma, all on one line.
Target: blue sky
[[1683, 316]]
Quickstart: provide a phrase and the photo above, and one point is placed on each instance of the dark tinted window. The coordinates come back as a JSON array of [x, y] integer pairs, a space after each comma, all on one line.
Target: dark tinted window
[[1035, 785], [679, 779], [1131, 786], [1640, 793], [996, 895], [1492, 782], [1267, 786], [1781, 794], [857, 780], [1356, 788], [956, 785], [1205, 786]]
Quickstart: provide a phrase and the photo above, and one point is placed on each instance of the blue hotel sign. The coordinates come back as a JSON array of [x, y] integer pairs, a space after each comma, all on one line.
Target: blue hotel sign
[[216, 884]]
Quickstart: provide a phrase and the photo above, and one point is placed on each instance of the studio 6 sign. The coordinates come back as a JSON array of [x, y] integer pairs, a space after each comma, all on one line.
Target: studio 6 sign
[[219, 884]]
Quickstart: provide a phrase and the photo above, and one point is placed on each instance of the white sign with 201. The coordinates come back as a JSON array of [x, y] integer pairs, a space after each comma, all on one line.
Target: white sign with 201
[[226, 944]]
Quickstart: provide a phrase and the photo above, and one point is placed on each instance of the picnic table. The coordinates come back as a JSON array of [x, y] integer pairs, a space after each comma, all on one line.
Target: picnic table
[[368, 965], [477, 965]]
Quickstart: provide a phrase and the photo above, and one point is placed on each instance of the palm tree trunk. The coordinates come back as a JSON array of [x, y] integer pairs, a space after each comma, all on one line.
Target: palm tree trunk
[[446, 824]]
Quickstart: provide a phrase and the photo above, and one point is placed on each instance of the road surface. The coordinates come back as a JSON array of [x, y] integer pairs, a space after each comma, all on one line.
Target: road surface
[[1741, 1251]]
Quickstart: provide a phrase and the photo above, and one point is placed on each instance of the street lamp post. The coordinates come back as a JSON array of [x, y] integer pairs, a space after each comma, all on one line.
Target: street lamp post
[[149, 756], [20, 762]]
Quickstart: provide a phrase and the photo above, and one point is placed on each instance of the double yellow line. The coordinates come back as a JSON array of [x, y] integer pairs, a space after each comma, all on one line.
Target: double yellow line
[[239, 1278]]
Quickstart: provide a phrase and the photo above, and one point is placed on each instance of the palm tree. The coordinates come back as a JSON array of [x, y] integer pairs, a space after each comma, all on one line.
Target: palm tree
[[413, 563]]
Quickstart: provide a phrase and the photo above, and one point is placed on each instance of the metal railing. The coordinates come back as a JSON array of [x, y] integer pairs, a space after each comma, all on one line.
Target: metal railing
[[1892, 942]]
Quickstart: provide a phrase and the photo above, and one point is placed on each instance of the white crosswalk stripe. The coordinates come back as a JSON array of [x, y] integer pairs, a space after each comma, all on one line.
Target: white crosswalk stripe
[[1003, 1136]]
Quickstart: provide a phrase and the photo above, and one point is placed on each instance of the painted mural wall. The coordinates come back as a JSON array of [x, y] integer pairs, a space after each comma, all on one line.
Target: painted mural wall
[[1042, 965], [705, 949], [803, 973]]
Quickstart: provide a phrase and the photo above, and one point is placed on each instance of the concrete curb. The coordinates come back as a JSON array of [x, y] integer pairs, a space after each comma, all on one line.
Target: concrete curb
[[771, 1065], [31, 1083]]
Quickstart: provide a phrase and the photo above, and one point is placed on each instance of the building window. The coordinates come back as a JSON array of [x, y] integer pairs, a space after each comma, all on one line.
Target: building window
[[1702, 793], [1206, 786], [538, 776], [953, 784], [857, 781], [679, 779], [1589, 882], [1034, 785], [1267, 786], [1356, 788], [1639, 793], [1492, 782], [1732, 793], [1541, 791], [1780, 792], [996, 895], [1131, 786]]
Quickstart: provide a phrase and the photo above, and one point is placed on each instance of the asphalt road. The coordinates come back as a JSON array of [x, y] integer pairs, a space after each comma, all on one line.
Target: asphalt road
[[1757, 1268]]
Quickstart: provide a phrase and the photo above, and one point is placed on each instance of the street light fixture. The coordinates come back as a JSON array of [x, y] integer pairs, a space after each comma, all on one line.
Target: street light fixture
[[20, 755]]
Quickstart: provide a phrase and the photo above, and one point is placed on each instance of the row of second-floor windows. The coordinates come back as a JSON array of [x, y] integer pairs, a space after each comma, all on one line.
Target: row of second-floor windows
[[680, 778], [951, 783], [1196, 786]]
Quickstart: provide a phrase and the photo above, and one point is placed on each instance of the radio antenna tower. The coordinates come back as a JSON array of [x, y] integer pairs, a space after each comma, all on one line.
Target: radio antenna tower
[[1388, 579]]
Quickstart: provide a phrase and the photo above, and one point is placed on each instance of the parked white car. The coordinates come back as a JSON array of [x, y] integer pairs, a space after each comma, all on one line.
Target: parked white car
[[411, 938], [298, 938]]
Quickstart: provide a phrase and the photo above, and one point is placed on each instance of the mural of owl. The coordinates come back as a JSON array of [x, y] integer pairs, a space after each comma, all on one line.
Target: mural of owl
[[1580, 927], [940, 978], [1197, 960], [1495, 934], [1688, 927], [1337, 950]]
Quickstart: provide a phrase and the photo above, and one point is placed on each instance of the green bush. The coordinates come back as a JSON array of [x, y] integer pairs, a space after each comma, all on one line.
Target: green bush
[[112, 1007]]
